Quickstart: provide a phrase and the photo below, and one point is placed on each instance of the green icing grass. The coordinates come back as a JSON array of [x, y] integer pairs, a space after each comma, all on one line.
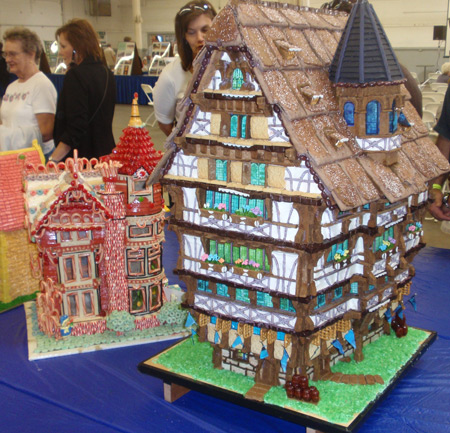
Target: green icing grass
[[339, 403], [47, 344], [18, 301], [195, 360]]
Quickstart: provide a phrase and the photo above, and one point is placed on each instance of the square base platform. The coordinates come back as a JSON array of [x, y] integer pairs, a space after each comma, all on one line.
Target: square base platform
[[176, 385]]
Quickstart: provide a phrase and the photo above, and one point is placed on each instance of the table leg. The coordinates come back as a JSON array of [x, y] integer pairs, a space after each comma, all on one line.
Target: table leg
[[173, 392]]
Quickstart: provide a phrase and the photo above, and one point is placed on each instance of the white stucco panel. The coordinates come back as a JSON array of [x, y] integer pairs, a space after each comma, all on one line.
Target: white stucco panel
[[184, 165], [300, 179]]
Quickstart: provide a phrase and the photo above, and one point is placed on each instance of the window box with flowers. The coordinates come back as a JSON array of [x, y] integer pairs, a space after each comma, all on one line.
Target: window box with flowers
[[248, 215], [239, 267], [341, 258], [213, 262], [218, 212], [413, 230], [387, 246]]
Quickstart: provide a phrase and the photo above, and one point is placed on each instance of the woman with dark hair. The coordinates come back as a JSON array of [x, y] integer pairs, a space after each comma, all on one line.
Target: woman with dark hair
[[29, 103], [85, 108], [191, 24]]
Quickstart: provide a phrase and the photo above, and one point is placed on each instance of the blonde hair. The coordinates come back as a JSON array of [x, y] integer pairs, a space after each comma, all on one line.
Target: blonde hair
[[445, 68]]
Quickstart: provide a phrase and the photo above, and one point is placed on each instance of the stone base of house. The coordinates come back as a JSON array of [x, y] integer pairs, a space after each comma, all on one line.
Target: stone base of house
[[246, 363]]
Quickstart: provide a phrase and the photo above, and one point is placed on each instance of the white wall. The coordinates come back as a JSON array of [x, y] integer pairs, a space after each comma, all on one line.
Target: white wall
[[408, 23]]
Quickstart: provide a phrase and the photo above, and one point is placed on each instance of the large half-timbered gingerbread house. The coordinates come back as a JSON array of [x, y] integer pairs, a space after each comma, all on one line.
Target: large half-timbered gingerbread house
[[99, 232], [299, 175]]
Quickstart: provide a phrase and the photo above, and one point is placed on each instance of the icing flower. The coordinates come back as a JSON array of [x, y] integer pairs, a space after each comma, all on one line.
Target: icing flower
[[222, 206], [204, 257], [221, 260]]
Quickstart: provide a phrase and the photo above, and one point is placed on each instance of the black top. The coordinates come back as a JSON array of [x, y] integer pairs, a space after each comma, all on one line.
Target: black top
[[443, 125], [83, 121], [364, 53]]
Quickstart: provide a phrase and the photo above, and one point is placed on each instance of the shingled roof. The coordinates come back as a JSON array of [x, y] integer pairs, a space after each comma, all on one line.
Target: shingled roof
[[364, 53], [351, 176]]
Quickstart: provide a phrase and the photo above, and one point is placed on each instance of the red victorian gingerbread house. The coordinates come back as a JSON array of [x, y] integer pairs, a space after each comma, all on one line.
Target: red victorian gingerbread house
[[99, 230]]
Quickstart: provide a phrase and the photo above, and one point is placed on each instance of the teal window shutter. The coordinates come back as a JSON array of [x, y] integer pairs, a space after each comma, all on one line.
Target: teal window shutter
[[243, 126], [234, 125]]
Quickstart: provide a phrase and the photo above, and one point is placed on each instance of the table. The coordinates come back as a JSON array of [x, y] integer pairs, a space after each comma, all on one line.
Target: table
[[103, 392], [125, 86]]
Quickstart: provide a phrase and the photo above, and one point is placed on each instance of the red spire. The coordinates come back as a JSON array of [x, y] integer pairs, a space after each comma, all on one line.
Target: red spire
[[135, 148]]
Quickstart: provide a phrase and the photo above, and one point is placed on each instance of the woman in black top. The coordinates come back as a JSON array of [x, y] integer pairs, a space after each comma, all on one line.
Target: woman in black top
[[85, 107]]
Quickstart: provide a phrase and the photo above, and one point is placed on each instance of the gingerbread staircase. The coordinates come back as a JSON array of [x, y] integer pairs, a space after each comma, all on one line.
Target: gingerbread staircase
[[257, 391]]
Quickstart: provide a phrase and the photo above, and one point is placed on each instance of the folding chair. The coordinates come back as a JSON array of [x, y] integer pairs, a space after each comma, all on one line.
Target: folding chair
[[148, 90], [436, 87], [429, 119], [433, 107]]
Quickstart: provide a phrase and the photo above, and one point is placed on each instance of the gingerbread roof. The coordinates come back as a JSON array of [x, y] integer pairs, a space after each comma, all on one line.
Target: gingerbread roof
[[290, 49], [12, 210], [364, 53], [135, 149], [50, 191]]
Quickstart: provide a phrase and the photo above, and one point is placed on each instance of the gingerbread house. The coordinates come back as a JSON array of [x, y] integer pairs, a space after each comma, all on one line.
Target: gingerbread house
[[99, 231], [299, 175], [15, 251]]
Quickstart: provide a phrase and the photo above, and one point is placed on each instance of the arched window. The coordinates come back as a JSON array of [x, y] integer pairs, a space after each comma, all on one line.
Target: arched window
[[234, 125], [373, 118], [238, 79], [393, 119], [349, 113]]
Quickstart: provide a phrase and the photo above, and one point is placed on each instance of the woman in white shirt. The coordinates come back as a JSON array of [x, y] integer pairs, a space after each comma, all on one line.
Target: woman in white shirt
[[191, 24], [29, 103]]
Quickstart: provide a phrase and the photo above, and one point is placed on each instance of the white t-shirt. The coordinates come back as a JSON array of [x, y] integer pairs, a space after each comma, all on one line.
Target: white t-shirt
[[21, 102], [169, 90]]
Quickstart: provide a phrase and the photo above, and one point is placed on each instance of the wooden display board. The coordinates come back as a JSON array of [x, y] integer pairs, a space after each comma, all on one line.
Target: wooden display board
[[176, 385]]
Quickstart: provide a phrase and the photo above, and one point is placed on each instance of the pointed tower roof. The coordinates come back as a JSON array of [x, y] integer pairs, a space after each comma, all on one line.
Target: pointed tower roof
[[364, 53], [135, 149]]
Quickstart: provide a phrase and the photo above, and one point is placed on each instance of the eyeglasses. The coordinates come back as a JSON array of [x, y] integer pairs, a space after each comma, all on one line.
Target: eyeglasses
[[192, 8], [12, 54]]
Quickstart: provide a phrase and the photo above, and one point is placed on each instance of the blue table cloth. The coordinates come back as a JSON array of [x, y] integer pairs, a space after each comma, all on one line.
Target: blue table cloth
[[103, 392], [125, 86]]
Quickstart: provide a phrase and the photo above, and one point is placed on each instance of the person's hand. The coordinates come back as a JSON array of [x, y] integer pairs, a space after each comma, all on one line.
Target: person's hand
[[437, 208]]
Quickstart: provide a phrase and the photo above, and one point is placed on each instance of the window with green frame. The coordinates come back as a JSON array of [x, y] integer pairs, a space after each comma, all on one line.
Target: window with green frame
[[258, 174], [320, 300], [222, 290], [338, 292], [286, 304], [234, 203], [264, 299], [231, 253], [203, 286], [238, 79], [389, 233], [343, 246], [238, 126], [242, 295], [354, 288], [221, 169]]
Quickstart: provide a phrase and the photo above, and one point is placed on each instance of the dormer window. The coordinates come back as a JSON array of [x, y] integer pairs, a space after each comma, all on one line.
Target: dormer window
[[393, 118], [238, 79], [286, 49], [373, 118], [349, 113], [310, 94]]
